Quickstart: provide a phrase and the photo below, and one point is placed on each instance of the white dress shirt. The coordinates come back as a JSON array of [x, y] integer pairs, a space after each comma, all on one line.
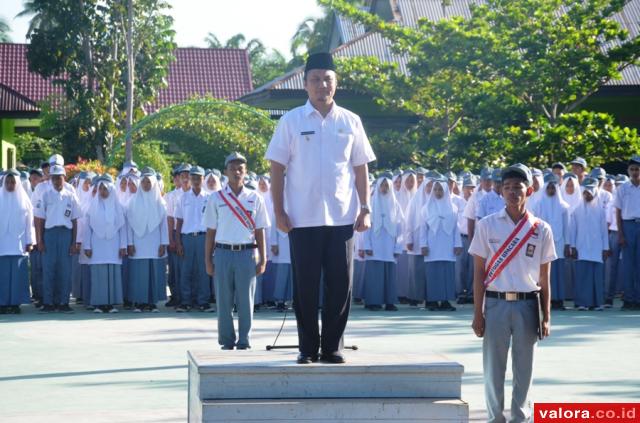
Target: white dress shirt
[[627, 200], [319, 155], [490, 203], [147, 245], [440, 243], [57, 208], [588, 232], [229, 229], [15, 245], [190, 208], [383, 244], [103, 251], [522, 274], [281, 240]]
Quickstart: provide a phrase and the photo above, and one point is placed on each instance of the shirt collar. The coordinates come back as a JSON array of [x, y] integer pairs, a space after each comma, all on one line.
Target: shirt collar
[[229, 191], [309, 109]]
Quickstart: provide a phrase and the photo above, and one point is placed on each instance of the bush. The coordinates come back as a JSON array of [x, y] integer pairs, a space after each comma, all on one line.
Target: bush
[[33, 150]]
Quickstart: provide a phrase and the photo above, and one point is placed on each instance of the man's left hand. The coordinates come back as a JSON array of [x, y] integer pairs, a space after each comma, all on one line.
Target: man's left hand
[[363, 222], [261, 267]]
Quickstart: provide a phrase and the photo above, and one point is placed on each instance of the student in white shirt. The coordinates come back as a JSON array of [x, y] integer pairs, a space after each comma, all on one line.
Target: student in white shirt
[[590, 248], [266, 282], [571, 193], [281, 262], [411, 241], [464, 262], [440, 243], [182, 184], [382, 245], [627, 204], [492, 201], [81, 283], [359, 267], [404, 266], [508, 317], [195, 286], [57, 211], [104, 242], [18, 237], [236, 219], [148, 239], [552, 209]]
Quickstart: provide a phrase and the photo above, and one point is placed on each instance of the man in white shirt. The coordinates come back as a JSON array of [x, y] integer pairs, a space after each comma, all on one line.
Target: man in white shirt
[[195, 289], [492, 201], [56, 213], [512, 254], [325, 153], [627, 204], [182, 185], [235, 218]]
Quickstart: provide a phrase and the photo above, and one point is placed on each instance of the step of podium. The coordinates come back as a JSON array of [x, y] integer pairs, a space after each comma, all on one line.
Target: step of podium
[[369, 384], [359, 410]]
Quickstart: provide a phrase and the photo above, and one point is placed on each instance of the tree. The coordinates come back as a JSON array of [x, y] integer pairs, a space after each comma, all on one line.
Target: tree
[[4, 31], [479, 84], [265, 65], [80, 47]]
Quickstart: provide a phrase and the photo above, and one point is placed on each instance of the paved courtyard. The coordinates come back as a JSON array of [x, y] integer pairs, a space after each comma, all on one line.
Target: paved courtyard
[[133, 367]]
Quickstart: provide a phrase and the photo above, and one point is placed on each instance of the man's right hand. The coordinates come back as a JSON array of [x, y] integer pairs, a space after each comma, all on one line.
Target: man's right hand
[[621, 240], [209, 266], [283, 223], [179, 249], [41, 247], [275, 250], [172, 247], [478, 324]]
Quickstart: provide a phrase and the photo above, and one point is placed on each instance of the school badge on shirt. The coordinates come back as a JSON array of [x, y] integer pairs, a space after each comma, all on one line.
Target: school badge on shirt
[[530, 250]]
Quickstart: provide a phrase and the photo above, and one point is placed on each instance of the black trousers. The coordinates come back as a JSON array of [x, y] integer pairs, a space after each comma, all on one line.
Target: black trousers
[[321, 254]]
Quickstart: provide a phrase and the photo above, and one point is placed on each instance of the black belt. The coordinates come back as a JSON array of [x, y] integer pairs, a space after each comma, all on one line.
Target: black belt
[[195, 233], [512, 296], [236, 247], [57, 227], [632, 220], [464, 236]]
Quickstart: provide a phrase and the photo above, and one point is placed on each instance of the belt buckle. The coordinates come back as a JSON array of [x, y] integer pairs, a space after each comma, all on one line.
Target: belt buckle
[[236, 247], [194, 234], [511, 296]]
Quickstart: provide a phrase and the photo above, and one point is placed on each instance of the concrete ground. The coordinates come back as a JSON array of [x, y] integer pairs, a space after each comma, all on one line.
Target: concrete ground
[[133, 367]]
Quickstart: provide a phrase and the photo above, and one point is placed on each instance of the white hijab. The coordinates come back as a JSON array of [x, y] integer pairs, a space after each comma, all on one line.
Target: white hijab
[[588, 213], [14, 207], [386, 212], [414, 212], [550, 209], [147, 209], [404, 195], [440, 213], [127, 195], [106, 215], [205, 187], [84, 197], [574, 199]]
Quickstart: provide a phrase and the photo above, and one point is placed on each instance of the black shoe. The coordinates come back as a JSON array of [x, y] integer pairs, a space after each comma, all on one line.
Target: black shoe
[[15, 309], [243, 347], [281, 307], [358, 301], [3, 310], [390, 307], [182, 308], [47, 308], [306, 358], [171, 303], [65, 309], [227, 347], [626, 306], [461, 300], [446, 306], [374, 307], [333, 358]]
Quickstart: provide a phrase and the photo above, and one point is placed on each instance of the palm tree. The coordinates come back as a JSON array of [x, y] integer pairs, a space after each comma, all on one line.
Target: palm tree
[[4, 31], [39, 20], [212, 41]]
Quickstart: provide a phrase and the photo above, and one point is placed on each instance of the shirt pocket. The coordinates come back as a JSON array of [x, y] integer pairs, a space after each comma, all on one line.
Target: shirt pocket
[[342, 146]]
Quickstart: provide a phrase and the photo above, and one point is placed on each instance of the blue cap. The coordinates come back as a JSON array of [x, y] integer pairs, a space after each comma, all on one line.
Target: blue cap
[[469, 181], [635, 159], [621, 179], [105, 177], [559, 165], [485, 173], [598, 173], [450, 175], [536, 172], [421, 171], [148, 171], [37, 171], [235, 156], [579, 161], [196, 170], [520, 170], [551, 177], [185, 167], [496, 175]]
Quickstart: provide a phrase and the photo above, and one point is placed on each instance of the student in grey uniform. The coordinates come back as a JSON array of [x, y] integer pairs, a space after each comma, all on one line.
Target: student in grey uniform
[[440, 243], [36, 176], [148, 238], [281, 261], [465, 261], [104, 242], [182, 185], [590, 248], [613, 268], [56, 212], [195, 288], [627, 204], [508, 277], [18, 236], [235, 218], [382, 245]]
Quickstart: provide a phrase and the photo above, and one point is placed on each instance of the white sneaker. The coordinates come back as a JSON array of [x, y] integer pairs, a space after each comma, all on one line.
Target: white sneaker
[[599, 308], [97, 310], [136, 310], [155, 310], [113, 310], [582, 308]]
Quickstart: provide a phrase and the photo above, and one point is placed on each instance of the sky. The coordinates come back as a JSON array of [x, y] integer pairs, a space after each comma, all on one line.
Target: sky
[[272, 21]]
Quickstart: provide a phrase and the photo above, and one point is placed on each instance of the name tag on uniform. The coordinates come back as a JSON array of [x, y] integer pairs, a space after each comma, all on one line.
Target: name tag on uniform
[[307, 132], [67, 213], [494, 241], [530, 250]]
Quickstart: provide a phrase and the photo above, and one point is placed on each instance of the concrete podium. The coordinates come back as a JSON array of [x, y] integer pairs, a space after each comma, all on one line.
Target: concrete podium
[[268, 386]]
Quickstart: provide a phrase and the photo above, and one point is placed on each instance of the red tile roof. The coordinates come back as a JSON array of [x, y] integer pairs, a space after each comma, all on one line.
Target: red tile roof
[[221, 73]]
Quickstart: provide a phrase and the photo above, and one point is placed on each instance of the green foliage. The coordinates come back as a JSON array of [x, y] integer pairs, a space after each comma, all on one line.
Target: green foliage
[[513, 68], [33, 150], [205, 131], [146, 153], [5, 29], [81, 46]]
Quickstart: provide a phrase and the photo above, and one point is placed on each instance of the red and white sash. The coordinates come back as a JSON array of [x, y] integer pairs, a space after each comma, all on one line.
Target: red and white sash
[[239, 211], [520, 235]]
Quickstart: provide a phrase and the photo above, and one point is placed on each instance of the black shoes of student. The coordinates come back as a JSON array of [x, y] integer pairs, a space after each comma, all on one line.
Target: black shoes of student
[[374, 307], [65, 309], [306, 358], [227, 347], [390, 307], [47, 308], [446, 306], [243, 347], [332, 358]]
